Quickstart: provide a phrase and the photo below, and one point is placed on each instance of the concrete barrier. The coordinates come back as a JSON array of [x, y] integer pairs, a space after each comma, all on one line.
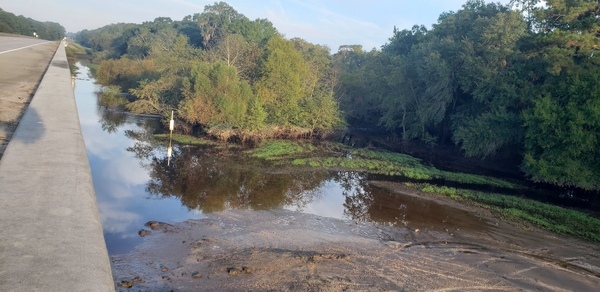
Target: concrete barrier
[[50, 232]]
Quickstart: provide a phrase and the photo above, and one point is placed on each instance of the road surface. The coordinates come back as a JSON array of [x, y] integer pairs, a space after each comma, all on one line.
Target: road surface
[[10, 44], [23, 61]]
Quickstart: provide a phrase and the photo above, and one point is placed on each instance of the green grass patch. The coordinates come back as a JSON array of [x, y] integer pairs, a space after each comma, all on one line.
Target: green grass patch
[[281, 149], [549, 217], [396, 164], [184, 139]]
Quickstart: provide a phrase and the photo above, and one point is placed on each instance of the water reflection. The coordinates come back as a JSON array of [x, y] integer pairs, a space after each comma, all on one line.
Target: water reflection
[[135, 182], [119, 178], [112, 119], [206, 181]]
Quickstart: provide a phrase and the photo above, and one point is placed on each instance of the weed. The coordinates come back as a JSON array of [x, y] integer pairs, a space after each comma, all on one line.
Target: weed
[[184, 139], [550, 217], [276, 150]]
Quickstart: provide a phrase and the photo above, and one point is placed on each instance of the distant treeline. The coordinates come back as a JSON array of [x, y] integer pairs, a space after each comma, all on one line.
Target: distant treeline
[[491, 79], [10, 23]]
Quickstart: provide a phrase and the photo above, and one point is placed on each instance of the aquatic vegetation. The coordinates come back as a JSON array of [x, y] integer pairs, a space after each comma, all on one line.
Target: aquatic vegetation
[[549, 217], [376, 162], [280, 149], [185, 139]]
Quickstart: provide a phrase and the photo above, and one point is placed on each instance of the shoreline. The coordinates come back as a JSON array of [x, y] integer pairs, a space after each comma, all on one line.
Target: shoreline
[[239, 250]]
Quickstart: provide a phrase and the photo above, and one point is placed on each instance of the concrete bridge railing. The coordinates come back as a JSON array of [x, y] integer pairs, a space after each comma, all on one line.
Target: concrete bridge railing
[[50, 231]]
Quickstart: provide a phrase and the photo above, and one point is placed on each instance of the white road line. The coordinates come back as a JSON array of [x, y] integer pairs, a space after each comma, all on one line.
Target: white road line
[[23, 48]]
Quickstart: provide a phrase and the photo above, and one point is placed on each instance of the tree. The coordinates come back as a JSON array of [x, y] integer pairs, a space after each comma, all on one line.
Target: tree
[[216, 22], [563, 130], [417, 84], [47, 30], [480, 44], [235, 51], [280, 87], [357, 84], [214, 95]]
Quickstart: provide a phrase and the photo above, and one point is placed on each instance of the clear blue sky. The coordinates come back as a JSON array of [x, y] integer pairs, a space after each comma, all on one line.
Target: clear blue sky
[[328, 22]]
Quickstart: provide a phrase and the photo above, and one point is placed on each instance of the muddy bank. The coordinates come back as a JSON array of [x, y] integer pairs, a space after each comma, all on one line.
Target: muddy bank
[[285, 250]]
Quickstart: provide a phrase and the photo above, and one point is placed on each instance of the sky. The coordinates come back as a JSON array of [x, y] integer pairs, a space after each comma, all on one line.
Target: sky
[[326, 22]]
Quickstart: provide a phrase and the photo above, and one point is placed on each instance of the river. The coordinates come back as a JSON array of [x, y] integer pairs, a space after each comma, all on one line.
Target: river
[[134, 183], [314, 218]]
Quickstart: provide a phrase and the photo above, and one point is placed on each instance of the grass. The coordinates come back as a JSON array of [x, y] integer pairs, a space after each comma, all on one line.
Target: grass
[[550, 217], [377, 162], [281, 149], [184, 139]]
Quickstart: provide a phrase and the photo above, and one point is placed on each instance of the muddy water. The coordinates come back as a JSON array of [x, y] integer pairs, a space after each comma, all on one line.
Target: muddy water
[[135, 183]]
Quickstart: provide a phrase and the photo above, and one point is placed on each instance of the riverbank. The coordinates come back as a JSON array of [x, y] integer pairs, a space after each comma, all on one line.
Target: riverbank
[[509, 199], [241, 250]]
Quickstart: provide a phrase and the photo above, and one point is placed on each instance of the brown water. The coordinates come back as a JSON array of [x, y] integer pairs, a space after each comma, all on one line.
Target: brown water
[[135, 183]]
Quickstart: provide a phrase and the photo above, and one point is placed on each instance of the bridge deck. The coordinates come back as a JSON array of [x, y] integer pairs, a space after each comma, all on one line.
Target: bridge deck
[[50, 232]]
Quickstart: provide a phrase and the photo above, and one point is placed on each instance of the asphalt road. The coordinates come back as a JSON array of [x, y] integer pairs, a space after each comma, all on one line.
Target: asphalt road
[[10, 43], [23, 61]]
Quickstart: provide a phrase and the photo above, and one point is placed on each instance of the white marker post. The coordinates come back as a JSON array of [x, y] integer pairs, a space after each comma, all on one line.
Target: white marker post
[[170, 148]]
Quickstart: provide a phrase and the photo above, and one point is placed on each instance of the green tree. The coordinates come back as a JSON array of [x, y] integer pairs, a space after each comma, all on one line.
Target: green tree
[[488, 116], [563, 130], [418, 84], [280, 86], [562, 119], [11, 23], [357, 84], [215, 96]]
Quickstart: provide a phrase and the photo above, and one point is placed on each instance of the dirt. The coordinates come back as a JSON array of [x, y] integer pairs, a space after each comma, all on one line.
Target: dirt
[[20, 73], [280, 250]]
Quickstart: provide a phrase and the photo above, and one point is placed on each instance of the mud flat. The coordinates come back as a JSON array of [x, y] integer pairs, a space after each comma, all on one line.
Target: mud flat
[[241, 250]]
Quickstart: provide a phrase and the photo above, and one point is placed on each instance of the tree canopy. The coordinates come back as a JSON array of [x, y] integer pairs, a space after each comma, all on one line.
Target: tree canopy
[[492, 79], [221, 71], [10, 23], [518, 80]]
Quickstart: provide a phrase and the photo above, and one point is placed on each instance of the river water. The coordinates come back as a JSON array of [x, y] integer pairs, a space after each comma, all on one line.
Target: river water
[[136, 183]]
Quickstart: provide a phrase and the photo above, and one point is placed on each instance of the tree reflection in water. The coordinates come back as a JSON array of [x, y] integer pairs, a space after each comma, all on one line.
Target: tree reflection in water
[[358, 200], [205, 180], [208, 179], [111, 120]]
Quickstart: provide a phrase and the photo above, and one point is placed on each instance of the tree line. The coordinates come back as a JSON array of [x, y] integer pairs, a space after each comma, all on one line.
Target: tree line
[[490, 79], [223, 73], [10, 23]]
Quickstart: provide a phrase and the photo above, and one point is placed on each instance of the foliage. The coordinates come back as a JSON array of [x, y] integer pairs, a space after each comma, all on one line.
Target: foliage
[[124, 72], [10, 23], [517, 80], [274, 150], [111, 97], [550, 217], [214, 95], [184, 139], [226, 75]]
